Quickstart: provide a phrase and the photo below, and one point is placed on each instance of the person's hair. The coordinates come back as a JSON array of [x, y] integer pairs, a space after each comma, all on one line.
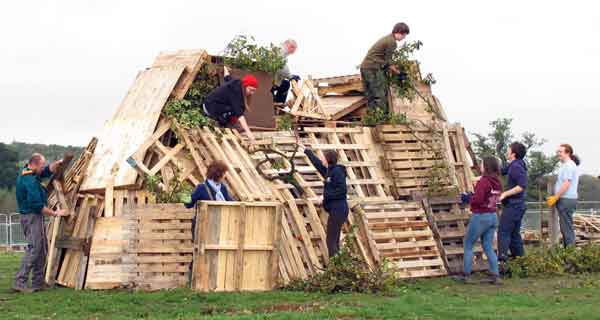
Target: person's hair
[[401, 27], [518, 149], [216, 170], [491, 166], [331, 156], [569, 150], [36, 158]]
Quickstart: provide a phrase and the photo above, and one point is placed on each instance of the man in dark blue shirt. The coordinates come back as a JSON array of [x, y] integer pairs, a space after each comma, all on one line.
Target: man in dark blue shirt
[[513, 202]]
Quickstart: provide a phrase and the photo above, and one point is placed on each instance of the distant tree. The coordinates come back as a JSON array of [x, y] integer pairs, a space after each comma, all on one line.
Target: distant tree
[[496, 142], [8, 200], [9, 165], [589, 188]]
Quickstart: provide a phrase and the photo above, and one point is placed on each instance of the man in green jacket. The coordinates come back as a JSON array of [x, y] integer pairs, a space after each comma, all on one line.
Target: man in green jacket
[[32, 200], [377, 62]]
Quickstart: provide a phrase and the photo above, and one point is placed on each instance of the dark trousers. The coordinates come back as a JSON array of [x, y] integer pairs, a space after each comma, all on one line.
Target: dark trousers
[[280, 92], [566, 208], [376, 88], [335, 222], [34, 259], [509, 232]]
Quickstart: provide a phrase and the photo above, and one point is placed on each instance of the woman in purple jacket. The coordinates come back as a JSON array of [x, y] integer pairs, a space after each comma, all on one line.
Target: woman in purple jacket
[[484, 221]]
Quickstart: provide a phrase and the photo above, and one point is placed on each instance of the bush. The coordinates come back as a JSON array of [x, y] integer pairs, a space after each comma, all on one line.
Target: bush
[[347, 272], [557, 261], [378, 115], [243, 53]]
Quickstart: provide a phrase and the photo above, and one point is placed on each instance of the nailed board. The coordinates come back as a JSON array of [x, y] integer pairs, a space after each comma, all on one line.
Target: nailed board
[[235, 247], [399, 231], [133, 122], [150, 248], [336, 107]]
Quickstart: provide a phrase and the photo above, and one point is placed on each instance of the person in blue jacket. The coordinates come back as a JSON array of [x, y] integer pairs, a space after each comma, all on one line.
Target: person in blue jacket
[[513, 202], [213, 189], [334, 195]]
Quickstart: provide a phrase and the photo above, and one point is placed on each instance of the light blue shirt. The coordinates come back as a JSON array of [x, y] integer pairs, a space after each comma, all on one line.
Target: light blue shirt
[[568, 171]]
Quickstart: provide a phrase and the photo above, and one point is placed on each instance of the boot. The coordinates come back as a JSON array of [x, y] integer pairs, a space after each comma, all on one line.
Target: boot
[[464, 278], [492, 279]]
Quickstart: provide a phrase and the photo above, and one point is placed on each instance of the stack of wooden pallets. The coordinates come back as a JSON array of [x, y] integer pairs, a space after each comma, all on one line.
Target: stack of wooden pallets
[[118, 237]]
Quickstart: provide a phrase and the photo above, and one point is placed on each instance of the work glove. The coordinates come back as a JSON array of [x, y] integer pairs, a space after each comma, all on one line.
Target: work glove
[[551, 201], [465, 197], [295, 77]]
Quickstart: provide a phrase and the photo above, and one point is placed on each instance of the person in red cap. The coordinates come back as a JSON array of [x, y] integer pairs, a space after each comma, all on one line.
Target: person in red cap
[[228, 103]]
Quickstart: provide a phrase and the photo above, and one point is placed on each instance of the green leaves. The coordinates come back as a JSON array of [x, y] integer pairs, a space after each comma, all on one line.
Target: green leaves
[[378, 115], [188, 111], [557, 261], [285, 122], [347, 272], [244, 53], [173, 191], [403, 60]]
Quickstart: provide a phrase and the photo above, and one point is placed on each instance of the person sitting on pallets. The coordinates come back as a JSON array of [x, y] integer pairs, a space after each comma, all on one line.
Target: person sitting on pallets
[[228, 103], [280, 92], [335, 193]]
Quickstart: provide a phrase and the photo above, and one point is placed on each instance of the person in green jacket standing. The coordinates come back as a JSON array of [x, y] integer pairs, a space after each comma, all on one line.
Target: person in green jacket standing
[[377, 62], [32, 200]]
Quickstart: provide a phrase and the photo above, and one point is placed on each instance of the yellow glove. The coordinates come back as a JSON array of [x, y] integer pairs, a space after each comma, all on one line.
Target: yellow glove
[[551, 201]]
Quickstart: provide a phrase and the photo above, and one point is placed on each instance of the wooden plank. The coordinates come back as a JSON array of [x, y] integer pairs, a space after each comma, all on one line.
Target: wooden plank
[[191, 59], [135, 120]]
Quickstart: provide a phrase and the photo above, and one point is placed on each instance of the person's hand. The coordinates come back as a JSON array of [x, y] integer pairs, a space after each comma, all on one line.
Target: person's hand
[[61, 213], [394, 69], [301, 148], [225, 71], [551, 201]]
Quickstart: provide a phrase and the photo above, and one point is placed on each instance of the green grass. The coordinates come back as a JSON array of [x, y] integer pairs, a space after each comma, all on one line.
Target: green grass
[[441, 298]]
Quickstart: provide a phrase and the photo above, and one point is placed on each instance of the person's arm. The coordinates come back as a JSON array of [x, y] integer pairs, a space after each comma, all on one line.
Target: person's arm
[[244, 124], [196, 195], [388, 54], [518, 174], [34, 199], [316, 162], [563, 188]]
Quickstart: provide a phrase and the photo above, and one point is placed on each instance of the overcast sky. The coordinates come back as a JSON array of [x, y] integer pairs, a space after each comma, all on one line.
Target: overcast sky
[[66, 65]]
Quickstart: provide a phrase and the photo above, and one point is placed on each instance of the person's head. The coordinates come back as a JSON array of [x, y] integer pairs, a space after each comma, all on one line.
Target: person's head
[[490, 166], [516, 150], [400, 31], [565, 152], [290, 46], [37, 162], [331, 157], [216, 171], [250, 84]]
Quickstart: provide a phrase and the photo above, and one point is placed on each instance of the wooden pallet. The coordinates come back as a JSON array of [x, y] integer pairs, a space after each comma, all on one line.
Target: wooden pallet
[[399, 232], [412, 151], [449, 223], [79, 228], [235, 247], [150, 248], [358, 154]]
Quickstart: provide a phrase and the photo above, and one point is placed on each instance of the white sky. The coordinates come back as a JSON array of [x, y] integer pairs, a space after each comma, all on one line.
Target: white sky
[[66, 65]]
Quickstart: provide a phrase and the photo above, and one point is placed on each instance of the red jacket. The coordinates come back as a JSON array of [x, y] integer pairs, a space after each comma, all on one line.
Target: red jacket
[[486, 196]]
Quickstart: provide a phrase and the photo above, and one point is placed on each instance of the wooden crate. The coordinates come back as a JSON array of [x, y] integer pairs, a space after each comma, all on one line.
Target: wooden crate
[[148, 248], [236, 246], [399, 232]]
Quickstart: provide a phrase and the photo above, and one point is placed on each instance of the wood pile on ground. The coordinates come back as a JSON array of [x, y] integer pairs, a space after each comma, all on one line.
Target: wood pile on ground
[[118, 236]]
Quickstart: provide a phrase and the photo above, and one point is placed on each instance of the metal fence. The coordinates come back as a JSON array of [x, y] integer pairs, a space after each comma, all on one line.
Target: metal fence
[[11, 232], [536, 210]]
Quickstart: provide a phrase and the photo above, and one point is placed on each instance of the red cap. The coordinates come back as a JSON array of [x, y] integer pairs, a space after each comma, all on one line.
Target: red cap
[[249, 81]]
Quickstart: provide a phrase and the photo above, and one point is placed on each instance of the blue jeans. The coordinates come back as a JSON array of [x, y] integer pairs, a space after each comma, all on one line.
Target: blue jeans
[[481, 226], [509, 233], [566, 208]]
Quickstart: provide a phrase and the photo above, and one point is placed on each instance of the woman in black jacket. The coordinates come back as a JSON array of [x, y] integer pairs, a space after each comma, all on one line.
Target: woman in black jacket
[[334, 195], [228, 103]]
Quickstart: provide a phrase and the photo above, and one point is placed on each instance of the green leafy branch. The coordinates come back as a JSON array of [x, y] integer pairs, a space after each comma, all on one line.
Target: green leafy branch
[[244, 53]]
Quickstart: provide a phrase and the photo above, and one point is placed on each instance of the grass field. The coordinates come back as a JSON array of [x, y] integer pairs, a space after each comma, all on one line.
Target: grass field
[[442, 298]]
